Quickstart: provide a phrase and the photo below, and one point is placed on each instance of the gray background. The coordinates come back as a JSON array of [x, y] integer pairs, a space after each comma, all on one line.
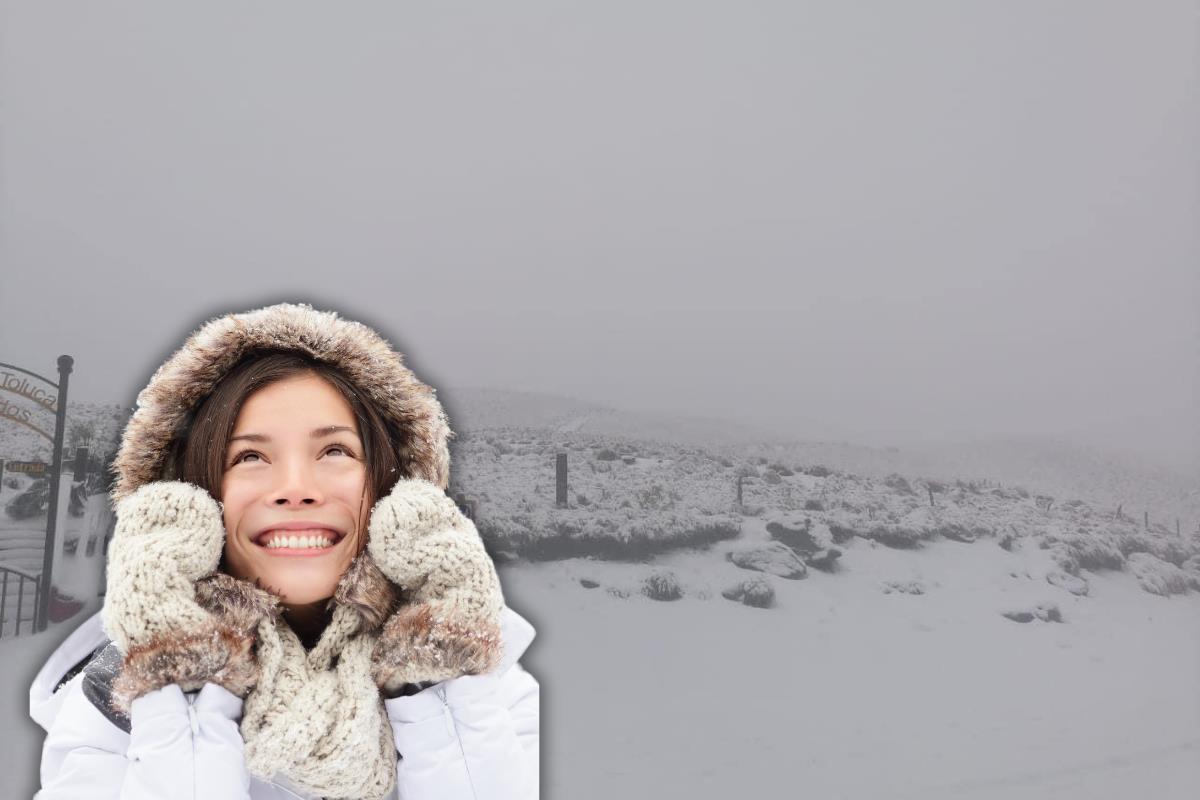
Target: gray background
[[882, 222], [885, 223]]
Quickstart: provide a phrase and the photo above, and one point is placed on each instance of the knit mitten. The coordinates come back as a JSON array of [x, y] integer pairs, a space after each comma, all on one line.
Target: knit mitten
[[173, 617], [448, 623]]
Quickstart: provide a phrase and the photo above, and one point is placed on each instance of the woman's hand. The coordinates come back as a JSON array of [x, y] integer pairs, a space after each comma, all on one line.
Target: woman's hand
[[448, 623], [174, 618]]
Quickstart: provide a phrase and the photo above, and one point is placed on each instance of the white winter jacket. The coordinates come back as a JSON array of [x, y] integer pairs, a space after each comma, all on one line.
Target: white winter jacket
[[470, 738]]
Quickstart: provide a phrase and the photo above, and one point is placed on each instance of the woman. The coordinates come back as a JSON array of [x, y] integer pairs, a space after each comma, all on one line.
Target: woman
[[294, 608]]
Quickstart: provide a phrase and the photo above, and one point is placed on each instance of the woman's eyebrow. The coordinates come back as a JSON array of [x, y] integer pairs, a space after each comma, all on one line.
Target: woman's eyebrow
[[317, 433]]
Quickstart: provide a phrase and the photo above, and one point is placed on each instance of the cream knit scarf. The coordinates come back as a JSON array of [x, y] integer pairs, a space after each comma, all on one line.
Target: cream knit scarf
[[317, 716]]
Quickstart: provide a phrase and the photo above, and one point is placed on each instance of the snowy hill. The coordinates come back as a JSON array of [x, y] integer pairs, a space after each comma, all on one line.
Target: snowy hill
[[473, 408]]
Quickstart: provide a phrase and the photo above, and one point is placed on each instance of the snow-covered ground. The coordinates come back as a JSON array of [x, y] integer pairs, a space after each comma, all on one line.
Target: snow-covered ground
[[844, 691], [841, 690]]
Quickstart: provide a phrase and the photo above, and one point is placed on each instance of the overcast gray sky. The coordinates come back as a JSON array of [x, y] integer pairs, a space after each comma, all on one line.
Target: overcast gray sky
[[885, 222]]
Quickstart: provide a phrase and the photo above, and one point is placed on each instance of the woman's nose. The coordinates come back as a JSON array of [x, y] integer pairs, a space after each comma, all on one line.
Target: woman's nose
[[297, 486]]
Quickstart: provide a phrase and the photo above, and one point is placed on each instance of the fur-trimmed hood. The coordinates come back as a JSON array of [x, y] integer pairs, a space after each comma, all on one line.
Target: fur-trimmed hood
[[409, 407], [194, 370]]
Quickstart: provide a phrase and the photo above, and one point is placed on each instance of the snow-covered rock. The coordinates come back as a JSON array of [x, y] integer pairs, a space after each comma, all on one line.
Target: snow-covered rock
[[773, 557], [824, 560], [756, 592], [1046, 612], [904, 587], [1073, 584]]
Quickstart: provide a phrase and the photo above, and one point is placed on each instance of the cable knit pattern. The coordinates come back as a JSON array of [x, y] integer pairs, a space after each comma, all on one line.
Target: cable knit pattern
[[325, 728], [450, 623], [165, 548]]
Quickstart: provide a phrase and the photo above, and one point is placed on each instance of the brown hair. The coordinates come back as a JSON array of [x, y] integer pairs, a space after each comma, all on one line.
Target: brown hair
[[198, 449]]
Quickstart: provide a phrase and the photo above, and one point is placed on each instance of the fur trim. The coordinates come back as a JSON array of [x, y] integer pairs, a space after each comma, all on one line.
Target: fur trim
[[220, 652], [214, 654], [367, 590], [239, 604], [194, 370], [432, 642]]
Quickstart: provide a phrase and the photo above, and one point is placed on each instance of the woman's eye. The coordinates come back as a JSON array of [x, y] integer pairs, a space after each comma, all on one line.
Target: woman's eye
[[239, 458]]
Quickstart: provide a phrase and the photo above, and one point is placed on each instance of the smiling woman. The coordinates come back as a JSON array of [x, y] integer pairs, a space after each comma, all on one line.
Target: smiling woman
[[294, 607]]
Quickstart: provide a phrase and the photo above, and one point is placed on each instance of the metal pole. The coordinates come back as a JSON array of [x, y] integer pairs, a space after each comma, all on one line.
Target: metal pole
[[65, 363]]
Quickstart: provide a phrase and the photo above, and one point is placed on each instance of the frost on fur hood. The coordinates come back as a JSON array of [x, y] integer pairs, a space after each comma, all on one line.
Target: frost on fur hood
[[420, 430]]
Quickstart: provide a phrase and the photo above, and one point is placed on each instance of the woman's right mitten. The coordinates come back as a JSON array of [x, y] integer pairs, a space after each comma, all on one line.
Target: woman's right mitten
[[173, 617]]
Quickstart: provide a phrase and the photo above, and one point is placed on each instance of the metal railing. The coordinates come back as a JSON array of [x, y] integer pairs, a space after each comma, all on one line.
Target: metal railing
[[21, 577]]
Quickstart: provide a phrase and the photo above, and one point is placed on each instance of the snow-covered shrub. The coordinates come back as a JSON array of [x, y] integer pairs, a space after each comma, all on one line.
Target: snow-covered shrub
[[656, 497], [899, 483], [1169, 549], [606, 455], [662, 585], [1084, 552], [772, 477], [1158, 577]]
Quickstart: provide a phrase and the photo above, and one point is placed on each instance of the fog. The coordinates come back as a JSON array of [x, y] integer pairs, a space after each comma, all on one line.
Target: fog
[[874, 222]]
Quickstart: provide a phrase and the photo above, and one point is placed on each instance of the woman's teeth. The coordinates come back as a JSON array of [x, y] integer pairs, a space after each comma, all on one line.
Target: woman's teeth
[[299, 542]]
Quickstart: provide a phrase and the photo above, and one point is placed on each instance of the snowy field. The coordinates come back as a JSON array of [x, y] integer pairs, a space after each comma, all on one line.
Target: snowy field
[[841, 690], [844, 691]]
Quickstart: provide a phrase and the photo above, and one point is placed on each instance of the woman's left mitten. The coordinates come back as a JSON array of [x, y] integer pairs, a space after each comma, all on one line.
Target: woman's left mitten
[[164, 599], [448, 623]]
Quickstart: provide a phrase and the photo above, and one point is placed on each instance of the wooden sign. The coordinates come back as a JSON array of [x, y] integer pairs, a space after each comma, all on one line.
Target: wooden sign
[[26, 467]]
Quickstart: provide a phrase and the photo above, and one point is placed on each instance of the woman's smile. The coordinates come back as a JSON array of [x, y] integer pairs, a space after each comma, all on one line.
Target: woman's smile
[[299, 542]]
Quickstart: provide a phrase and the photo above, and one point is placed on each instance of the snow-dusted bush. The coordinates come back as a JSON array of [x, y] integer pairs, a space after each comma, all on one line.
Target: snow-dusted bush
[[1166, 548], [1158, 577], [662, 585], [1073, 552]]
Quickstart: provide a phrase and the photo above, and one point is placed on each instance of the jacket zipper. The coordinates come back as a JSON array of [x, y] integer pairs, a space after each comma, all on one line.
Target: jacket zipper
[[192, 719], [452, 729]]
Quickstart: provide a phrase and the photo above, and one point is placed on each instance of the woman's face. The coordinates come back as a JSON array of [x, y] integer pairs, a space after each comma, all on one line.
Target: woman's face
[[293, 489]]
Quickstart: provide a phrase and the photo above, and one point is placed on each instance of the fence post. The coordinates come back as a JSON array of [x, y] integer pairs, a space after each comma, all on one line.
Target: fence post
[[560, 480]]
